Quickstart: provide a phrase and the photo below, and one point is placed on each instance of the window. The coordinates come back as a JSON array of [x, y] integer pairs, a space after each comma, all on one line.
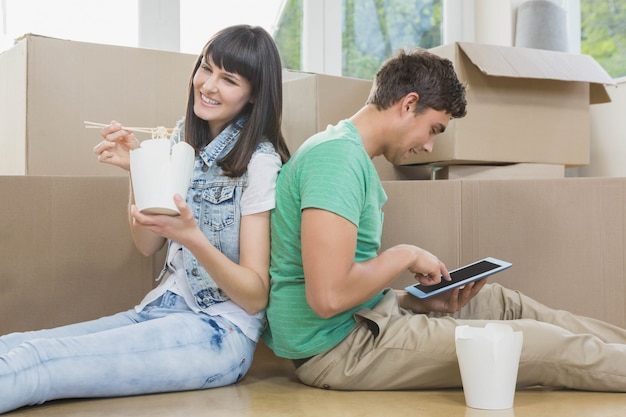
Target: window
[[117, 22], [603, 33], [82, 20], [372, 30]]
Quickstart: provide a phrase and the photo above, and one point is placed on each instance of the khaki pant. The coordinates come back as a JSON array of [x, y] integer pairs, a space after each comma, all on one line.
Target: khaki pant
[[392, 349]]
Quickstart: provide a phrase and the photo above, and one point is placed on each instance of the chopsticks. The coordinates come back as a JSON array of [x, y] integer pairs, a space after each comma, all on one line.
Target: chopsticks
[[154, 131], [94, 125]]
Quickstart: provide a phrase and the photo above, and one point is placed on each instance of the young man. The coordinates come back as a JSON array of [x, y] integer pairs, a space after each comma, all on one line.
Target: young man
[[330, 309]]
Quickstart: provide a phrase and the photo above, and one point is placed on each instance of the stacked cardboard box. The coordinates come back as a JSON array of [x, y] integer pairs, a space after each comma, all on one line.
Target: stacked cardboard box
[[313, 101], [66, 238], [505, 171], [51, 86], [524, 105], [565, 237], [527, 106], [528, 113]]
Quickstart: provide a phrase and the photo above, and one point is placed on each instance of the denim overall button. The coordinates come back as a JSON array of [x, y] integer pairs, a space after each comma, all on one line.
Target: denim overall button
[[195, 272], [197, 198], [205, 168]]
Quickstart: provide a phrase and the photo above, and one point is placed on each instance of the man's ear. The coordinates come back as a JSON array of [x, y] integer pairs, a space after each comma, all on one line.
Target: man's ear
[[409, 102]]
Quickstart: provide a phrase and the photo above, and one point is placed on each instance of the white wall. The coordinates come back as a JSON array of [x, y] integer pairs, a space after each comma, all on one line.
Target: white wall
[[608, 136]]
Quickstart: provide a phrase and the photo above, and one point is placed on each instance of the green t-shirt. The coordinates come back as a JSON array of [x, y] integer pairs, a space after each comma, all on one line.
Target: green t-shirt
[[330, 171]]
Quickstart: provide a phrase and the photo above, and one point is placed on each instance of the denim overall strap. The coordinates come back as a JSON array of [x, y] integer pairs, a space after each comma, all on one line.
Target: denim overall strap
[[214, 198]]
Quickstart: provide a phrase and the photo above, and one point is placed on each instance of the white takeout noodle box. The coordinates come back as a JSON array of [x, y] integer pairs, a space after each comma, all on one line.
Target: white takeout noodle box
[[159, 169], [488, 360]]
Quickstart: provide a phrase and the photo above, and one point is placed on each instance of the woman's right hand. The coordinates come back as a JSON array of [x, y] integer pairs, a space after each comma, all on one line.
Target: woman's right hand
[[116, 146]]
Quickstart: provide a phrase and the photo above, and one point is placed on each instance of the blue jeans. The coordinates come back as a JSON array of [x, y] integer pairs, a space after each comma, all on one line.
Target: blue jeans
[[166, 347]]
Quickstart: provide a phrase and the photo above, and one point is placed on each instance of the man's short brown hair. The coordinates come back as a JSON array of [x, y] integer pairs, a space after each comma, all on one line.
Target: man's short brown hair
[[430, 76]]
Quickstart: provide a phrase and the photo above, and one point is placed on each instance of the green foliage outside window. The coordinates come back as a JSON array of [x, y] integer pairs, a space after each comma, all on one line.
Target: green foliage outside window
[[372, 31], [289, 33], [603, 33]]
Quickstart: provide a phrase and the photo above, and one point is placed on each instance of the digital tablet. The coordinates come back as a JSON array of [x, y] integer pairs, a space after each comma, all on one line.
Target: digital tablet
[[460, 277]]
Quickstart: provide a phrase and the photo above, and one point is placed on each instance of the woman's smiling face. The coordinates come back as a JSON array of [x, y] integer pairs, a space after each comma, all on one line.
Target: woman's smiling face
[[219, 96]]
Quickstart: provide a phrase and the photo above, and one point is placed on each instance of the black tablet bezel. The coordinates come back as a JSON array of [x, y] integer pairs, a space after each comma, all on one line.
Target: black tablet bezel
[[460, 276]]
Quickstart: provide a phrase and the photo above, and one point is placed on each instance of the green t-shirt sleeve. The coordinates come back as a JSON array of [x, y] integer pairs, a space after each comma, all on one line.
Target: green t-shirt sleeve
[[332, 178]]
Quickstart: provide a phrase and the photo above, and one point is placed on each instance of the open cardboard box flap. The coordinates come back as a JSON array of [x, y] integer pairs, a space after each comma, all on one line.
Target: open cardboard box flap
[[515, 62]]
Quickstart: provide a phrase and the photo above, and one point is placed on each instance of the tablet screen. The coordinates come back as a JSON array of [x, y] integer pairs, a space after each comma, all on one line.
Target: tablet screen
[[461, 274]]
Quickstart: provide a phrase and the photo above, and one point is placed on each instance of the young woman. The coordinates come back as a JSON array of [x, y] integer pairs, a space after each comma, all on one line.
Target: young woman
[[199, 327]]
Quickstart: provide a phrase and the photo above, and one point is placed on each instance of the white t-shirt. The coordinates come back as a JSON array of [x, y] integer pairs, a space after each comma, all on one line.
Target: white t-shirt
[[258, 196]]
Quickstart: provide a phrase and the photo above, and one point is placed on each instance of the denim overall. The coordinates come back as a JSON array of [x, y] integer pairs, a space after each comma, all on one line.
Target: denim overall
[[214, 200]]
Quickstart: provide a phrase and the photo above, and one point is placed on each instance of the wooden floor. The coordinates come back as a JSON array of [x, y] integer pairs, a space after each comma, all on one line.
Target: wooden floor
[[270, 390], [274, 399]]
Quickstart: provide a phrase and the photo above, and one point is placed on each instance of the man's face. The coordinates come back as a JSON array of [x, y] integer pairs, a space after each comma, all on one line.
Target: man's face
[[417, 134]]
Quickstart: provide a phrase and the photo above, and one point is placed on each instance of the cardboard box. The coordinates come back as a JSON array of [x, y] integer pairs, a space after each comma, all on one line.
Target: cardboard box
[[390, 172], [524, 105], [67, 238], [565, 237], [51, 86], [475, 172], [313, 101]]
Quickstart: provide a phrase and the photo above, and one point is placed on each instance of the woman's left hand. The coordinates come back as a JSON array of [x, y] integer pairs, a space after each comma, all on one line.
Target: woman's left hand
[[182, 228]]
